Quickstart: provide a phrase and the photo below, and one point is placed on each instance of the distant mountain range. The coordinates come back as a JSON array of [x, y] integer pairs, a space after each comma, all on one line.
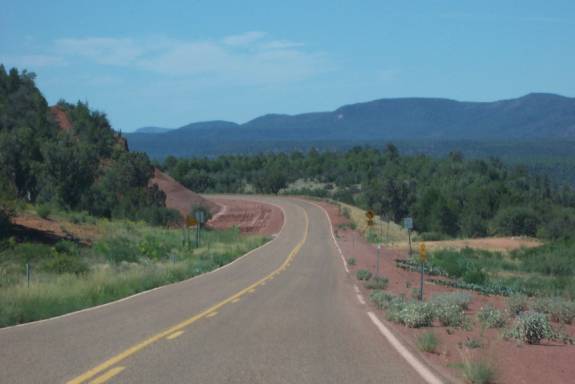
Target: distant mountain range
[[152, 130], [532, 117]]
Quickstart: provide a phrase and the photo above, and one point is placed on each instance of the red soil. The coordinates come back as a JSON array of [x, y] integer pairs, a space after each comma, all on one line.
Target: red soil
[[250, 216], [549, 362], [49, 230], [61, 118], [179, 197]]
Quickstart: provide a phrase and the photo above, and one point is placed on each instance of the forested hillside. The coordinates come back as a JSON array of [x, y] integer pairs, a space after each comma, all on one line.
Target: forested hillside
[[450, 196], [429, 121], [68, 157]]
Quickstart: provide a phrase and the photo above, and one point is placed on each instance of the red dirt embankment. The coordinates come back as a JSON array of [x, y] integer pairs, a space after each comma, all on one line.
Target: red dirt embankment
[[249, 216], [550, 362], [61, 118], [179, 197]]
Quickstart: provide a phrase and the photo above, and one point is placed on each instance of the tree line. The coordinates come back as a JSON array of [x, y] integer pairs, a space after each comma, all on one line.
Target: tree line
[[86, 167], [447, 197]]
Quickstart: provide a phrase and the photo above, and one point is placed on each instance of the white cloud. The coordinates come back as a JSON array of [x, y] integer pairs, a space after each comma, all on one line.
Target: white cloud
[[244, 59], [281, 44], [33, 61], [112, 51], [244, 38]]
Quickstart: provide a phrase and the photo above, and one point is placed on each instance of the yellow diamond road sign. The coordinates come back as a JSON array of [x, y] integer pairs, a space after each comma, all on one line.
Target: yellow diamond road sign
[[191, 221], [422, 253]]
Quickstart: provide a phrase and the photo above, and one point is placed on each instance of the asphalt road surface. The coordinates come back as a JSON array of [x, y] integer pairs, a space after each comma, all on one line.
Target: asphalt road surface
[[286, 313]]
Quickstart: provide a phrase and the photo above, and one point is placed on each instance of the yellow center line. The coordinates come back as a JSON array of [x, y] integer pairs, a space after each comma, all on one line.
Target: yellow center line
[[107, 376], [252, 290], [174, 335], [212, 314], [151, 340]]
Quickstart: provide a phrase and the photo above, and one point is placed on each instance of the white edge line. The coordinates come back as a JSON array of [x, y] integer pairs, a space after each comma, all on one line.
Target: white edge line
[[356, 288], [421, 369], [332, 234], [360, 299], [32, 323]]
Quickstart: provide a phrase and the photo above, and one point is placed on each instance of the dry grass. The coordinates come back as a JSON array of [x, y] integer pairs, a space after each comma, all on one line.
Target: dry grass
[[382, 231]]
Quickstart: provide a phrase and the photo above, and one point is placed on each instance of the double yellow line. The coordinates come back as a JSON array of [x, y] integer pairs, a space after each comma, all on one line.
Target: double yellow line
[[178, 327]]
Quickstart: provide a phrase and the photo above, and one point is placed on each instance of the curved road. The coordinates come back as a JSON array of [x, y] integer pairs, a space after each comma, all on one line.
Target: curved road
[[285, 313]]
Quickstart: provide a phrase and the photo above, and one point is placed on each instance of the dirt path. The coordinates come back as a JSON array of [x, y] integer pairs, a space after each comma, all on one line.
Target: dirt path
[[179, 197], [249, 216]]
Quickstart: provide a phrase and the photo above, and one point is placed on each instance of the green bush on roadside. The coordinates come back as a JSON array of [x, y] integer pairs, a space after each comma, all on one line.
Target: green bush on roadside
[[450, 315], [417, 314], [427, 342], [458, 298], [64, 264], [559, 309], [491, 317], [377, 282], [478, 372], [472, 343], [517, 303], [351, 261], [531, 327], [363, 274], [381, 299]]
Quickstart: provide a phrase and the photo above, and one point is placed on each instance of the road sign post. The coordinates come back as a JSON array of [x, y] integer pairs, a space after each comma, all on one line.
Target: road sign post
[[200, 217], [378, 260], [28, 274], [422, 261], [190, 222]]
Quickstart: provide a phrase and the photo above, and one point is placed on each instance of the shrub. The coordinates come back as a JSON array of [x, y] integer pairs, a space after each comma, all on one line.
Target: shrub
[[416, 314], [517, 304], [450, 315], [478, 372], [64, 263], [154, 247], [427, 342], [531, 327], [382, 300], [28, 252], [491, 317], [43, 211], [472, 343], [363, 274], [460, 299], [117, 249], [351, 261], [475, 276], [516, 221], [377, 282], [559, 309]]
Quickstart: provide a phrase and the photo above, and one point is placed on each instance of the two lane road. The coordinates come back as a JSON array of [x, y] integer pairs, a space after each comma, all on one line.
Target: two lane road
[[285, 313]]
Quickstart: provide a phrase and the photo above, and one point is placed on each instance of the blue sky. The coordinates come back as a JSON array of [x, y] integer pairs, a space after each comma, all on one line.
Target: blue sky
[[169, 63]]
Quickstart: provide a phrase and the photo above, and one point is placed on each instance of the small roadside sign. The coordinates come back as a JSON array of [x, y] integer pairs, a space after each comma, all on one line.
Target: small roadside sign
[[370, 215], [408, 223], [191, 221], [200, 216], [422, 253]]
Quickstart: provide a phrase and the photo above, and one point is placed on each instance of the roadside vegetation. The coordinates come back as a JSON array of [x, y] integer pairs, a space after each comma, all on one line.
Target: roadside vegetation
[[447, 197], [69, 157], [128, 257]]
